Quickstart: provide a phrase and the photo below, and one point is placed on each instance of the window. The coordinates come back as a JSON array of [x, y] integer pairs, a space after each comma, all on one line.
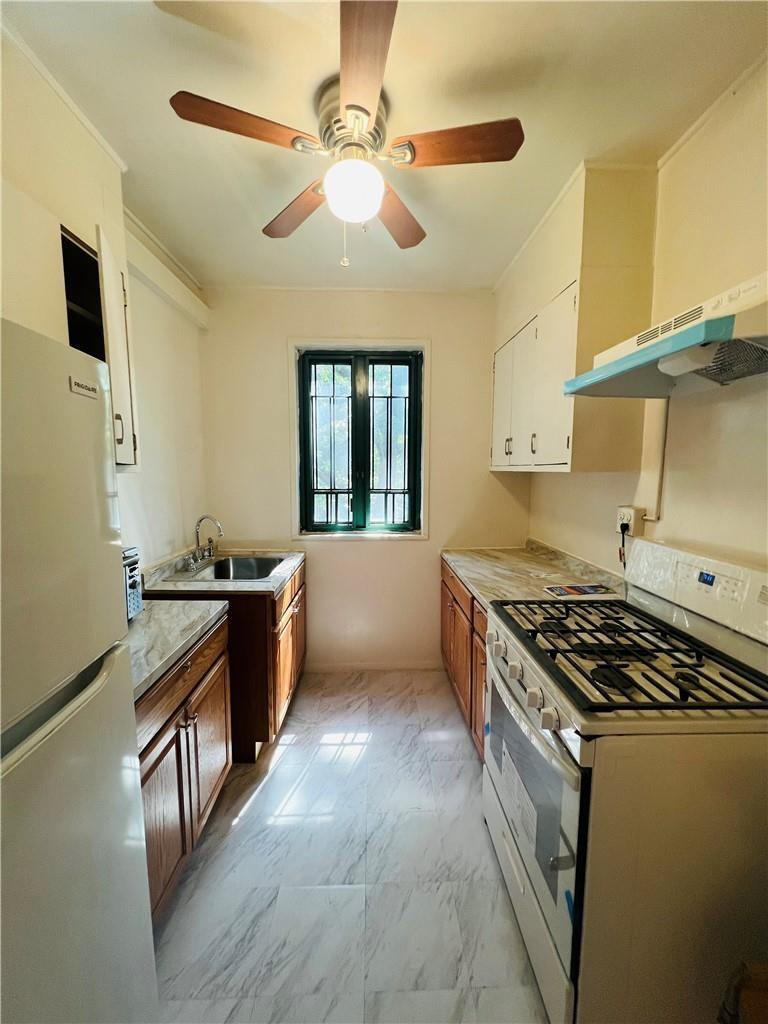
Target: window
[[360, 441]]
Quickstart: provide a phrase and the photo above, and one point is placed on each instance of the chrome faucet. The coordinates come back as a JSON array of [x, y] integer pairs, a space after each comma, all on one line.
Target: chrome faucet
[[209, 551]]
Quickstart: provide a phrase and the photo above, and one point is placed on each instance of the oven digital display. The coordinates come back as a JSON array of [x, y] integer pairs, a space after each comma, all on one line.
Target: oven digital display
[[707, 578]]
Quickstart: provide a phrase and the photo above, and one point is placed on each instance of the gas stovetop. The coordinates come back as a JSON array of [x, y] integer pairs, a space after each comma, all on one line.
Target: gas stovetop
[[611, 656]]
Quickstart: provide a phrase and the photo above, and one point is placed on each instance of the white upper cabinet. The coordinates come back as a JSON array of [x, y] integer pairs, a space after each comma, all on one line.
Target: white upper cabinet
[[552, 419], [524, 399], [581, 281], [502, 406], [114, 306]]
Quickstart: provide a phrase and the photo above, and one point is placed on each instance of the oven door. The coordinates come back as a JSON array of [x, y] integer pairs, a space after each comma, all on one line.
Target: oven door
[[542, 790]]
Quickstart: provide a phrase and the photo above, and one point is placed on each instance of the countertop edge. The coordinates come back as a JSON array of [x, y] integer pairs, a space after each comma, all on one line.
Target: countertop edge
[[559, 567], [178, 652]]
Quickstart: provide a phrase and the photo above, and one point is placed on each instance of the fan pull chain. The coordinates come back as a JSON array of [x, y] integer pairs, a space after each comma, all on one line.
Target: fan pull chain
[[344, 261]]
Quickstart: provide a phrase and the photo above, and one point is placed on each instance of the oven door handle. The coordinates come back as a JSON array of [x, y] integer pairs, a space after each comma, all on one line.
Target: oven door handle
[[563, 765]]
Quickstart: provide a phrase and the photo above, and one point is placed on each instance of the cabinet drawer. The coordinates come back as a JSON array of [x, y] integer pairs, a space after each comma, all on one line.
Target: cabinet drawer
[[170, 691], [287, 594], [461, 595], [480, 620]]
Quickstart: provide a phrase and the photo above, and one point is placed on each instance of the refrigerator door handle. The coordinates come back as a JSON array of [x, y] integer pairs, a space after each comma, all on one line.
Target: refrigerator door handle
[[119, 419]]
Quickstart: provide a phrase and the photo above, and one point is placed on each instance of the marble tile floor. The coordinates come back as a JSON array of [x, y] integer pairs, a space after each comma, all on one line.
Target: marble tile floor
[[348, 876]]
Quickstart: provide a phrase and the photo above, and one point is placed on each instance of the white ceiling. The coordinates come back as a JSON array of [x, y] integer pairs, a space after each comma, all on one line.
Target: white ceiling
[[605, 81]]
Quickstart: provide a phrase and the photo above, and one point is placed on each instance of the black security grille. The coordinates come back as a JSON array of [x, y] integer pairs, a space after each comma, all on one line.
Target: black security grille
[[360, 440]]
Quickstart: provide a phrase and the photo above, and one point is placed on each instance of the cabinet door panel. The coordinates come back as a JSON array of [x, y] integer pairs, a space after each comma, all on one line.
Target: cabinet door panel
[[165, 793], [502, 405], [555, 363], [524, 395], [116, 336], [210, 751], [446, 626], [478, 691], [299, 633], [284, 667], [462, 660]]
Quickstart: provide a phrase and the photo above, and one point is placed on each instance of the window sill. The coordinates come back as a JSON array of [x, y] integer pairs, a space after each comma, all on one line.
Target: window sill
[[362, 535]]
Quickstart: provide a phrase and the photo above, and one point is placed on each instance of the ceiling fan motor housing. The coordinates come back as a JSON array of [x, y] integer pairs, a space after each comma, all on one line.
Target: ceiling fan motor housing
[[337, 133]]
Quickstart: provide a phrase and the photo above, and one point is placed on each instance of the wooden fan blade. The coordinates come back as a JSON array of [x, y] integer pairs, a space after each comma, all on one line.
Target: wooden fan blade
[[399, 221], [471, 144], [296, 212], [229, 119], [366, 28]]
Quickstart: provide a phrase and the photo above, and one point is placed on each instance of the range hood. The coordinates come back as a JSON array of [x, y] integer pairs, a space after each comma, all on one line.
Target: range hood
[[724, 339]]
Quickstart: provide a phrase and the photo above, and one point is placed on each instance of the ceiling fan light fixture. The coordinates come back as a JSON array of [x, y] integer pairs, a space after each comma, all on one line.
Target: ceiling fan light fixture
[[354, 189]]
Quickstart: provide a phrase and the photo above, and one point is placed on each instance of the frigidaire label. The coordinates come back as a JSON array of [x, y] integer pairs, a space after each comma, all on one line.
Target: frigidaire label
[[86, 388]]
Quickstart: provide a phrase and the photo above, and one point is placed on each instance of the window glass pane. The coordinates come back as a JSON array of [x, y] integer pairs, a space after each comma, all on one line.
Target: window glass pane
[[321, 508], [343, 508], [379, 437], [322, 379], [342, 381], [398, 443], [400, 381], [399, 506], [342, 470], [322, 446], [377, 508], [382, 384]]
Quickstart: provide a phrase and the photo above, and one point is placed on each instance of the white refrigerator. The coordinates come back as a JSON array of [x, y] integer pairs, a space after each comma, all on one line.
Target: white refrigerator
[[76, 925]]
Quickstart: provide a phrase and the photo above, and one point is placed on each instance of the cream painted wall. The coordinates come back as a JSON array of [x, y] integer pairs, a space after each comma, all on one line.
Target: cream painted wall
[[160, 502], [371, 602], [710, 234]]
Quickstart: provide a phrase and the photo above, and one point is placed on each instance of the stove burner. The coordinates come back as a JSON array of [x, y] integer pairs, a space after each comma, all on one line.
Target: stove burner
[[559, 627], [687, 682], [614, 626], [611, 653], [611, 677]]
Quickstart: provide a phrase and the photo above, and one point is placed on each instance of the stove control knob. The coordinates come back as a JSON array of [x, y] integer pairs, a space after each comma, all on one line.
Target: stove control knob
[[534, 698], [514, 671], [498, 649], [550, 720], [490, 636]]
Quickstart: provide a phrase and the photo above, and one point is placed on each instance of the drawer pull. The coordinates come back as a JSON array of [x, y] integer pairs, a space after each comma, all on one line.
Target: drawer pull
[[188, 667]]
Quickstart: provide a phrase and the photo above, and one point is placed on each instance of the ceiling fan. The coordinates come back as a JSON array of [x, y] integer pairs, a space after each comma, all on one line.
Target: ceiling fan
[[352, 116]]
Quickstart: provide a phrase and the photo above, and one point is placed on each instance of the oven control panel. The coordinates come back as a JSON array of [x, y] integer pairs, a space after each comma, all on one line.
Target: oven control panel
[[732, 595]]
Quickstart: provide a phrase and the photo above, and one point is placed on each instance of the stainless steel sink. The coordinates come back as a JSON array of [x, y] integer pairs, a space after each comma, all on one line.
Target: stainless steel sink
[[241, 568], [234, 568]]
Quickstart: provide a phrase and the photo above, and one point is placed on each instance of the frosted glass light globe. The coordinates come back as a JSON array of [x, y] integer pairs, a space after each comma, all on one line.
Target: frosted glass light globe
[[354, 190]]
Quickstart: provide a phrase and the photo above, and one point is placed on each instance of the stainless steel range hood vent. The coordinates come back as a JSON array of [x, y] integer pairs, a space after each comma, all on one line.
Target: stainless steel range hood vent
[[724, 339]]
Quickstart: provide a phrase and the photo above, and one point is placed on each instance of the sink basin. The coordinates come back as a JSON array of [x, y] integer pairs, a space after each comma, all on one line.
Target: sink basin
[[233, 568], [243, 568]]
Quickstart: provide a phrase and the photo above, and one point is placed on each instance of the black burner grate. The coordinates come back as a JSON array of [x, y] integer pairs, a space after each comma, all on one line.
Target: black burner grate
[[610, 656]]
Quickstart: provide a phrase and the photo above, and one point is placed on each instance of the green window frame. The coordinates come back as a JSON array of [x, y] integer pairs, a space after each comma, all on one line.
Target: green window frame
[[360, 431]]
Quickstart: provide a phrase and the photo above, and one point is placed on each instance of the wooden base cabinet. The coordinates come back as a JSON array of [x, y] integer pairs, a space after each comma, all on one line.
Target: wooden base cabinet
[[167, 814], [462, 640], [185, 753], [266, 658]]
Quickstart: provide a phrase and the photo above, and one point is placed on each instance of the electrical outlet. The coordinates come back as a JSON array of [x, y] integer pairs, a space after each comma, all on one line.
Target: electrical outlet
[[633, 516]]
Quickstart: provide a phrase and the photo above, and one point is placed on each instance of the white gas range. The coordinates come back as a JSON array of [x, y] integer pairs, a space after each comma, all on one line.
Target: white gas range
[[626, 786]]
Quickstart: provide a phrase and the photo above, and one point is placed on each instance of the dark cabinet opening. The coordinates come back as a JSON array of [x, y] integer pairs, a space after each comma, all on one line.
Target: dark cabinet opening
[[83, 294]]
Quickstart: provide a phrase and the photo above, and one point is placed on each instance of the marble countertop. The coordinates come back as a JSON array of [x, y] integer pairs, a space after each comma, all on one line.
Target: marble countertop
[[493, 574], [157, 578], [163, 632]]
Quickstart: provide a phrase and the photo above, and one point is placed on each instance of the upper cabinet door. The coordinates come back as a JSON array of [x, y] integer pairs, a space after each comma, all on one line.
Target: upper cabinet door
[[555, 363], [525, 398], [502, 405], [113, 306]]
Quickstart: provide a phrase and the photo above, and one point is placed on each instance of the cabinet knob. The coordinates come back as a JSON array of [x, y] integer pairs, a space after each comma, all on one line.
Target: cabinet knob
[[188, 667]]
